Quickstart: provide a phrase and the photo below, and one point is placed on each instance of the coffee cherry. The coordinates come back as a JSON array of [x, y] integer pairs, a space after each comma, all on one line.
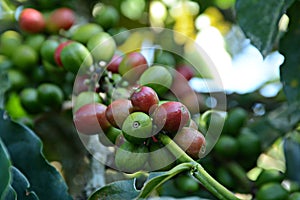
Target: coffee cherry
[[137, 127], [271, 191], [191, 141], [110, 136], [158, 78], [85, 31], [86, 97], [171, 116], [25, 58], [236, 118], [164, 58], [61, 18], [294, 196], [132, 66], [131, 158], [143, 99], [35, 41], [113, 66], [48, 49], [187, 184], [50, 95], [75, 56], [31, 20], [192, 124], [186, 71], [106, 16], [90, 119], [118, 111], [9, 41], [226, 146], [160, 158], [181, 87], [225, 178], [58, 50], [102, 46], [269, 175], [29, 100], [249, 143]]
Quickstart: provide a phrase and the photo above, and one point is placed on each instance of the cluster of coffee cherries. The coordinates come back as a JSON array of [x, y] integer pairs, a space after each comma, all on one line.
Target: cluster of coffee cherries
[[42, 52], [133, 123]]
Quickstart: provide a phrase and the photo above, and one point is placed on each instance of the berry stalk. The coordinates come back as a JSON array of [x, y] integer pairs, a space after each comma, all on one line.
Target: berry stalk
[[198, 171], [7, 12]]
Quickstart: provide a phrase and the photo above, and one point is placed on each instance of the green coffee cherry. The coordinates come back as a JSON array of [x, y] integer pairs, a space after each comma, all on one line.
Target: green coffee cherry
[[35, 41], [25, 58], [269, 175], [249, 143], [160, 158], [84, 32], [109, 137], [50, 95], [17, 79], [102, 46], [137, 127], [131, 158], [225, 178], [29, 100], [158, 78], [294, 196], [235, 120], [227, 146], [74, 56], [86, 97], [272, 191], [9, 41], [187, 184]]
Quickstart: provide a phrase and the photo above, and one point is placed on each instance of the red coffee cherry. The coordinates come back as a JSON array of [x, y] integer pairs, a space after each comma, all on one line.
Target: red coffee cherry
[[90, 119], [31, 20], [171, 116], [143, 99]]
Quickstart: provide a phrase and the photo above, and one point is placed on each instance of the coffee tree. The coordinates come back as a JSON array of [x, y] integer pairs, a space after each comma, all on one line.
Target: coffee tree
[[97, 101]]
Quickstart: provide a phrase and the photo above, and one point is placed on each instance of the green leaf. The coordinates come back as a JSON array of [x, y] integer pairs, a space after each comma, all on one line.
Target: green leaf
[[25, 150], [5, 175], [158, 179], [259, 21], [292, 158], [125, 189], [289, 47], [21, 186], [118, 190], [13, 106]]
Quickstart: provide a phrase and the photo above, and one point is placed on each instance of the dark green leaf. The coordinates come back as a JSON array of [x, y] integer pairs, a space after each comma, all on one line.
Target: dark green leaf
[[5, 175], [25, 150], [285, 118], [118, 190], [5, 84], [289, 47], [259, 20], [292, 158], [158, 179], [62, 144], [10, 194], [21, 186], [265, 130]]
